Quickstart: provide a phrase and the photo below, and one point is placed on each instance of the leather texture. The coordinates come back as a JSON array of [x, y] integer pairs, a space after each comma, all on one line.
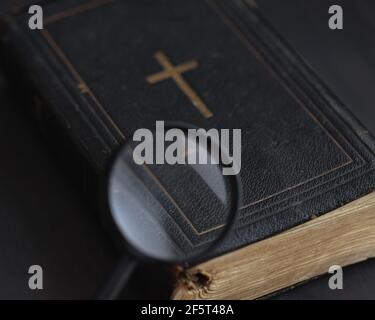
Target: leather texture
[[303, 153]]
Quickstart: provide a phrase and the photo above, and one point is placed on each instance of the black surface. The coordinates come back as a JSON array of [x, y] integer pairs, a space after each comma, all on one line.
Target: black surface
[[10, 6], [6, 6], [43, 219], [38, 208], [39, 188], [302, 154], [345, 60]]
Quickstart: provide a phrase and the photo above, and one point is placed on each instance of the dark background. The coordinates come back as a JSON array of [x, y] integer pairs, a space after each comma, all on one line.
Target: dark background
[[345, 60], [45, 221]]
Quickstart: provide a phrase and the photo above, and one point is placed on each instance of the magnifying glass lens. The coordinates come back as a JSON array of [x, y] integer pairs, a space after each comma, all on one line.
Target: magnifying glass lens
[[172, 212]]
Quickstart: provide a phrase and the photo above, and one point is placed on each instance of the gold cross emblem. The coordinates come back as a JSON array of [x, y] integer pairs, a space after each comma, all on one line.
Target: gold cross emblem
[[175, 73]]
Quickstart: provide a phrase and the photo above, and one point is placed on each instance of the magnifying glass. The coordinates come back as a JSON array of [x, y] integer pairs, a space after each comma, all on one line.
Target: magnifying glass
[[170, 201]]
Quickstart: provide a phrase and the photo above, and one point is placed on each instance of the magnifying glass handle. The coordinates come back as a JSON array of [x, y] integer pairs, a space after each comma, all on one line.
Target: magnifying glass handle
[[119, 278]]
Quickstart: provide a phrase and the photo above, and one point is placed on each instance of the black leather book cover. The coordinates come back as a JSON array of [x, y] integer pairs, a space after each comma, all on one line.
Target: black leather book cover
[[94, 67]]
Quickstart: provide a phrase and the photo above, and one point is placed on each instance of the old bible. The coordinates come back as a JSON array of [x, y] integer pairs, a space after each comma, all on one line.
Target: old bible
[[104, 68]]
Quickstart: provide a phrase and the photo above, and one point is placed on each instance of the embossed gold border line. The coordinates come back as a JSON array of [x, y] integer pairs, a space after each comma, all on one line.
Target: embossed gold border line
[[81, 83]]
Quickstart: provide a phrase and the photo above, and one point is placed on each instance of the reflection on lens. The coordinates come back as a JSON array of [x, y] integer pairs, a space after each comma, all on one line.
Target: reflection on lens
[[172, 213]]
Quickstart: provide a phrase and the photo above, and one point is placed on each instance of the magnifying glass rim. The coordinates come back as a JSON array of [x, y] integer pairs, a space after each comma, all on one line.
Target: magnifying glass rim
[[141, 256]]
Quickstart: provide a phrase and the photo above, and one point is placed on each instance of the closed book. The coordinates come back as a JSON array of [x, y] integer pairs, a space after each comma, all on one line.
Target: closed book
[[97, 67]]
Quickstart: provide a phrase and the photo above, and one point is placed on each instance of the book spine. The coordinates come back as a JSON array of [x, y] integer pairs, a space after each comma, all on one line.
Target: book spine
[[22, 67]]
